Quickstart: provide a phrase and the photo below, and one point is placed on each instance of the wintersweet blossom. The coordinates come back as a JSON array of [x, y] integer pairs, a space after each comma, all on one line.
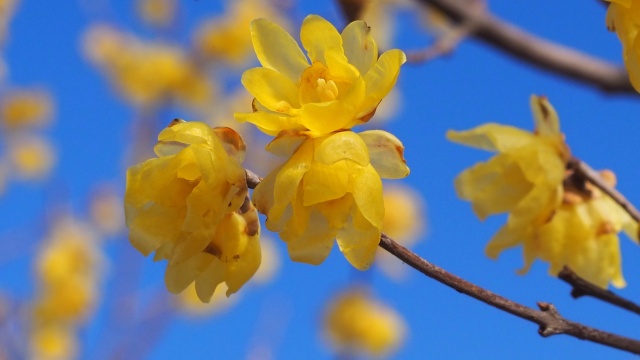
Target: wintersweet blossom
[[190, 206], [26, 108], [337, 87], [554, 219], [623, 17], [330, 188], [523, 179], [355, 323]]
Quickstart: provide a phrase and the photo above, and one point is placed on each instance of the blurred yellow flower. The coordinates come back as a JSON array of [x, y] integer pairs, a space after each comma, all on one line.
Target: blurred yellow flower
[[357, 324], [148, 73], [30, 157], [623, 17], [106, 211], [340, 88], [404, 222], [270, 261], [190, 206], [159, 13], [330, 188], [227, 38], [25, 108], [524, 178], [189, 303], [53, 342]]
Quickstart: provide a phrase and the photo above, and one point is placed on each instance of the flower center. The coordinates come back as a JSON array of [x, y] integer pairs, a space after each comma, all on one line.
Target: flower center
[[327, 90], [317, 85]]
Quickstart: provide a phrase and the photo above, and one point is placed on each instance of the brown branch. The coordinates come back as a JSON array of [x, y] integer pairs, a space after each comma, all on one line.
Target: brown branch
[[352, 9], [536, 51], [582, 169], [582, 287], [549, 320]]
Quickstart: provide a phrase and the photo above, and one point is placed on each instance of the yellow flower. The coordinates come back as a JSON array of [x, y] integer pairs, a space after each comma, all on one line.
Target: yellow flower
[[355, 323], [330, 188], [25, 109], [148, 74], [31, 157], [227, 37], [190, 206], [157, 12], [338, 87], [53, 342], [524, 178], [583, 235], [623, 17]]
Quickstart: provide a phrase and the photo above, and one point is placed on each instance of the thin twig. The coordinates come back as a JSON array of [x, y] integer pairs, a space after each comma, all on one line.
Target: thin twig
[[549, 320], [582, 169], [582, 287], [539, 52]]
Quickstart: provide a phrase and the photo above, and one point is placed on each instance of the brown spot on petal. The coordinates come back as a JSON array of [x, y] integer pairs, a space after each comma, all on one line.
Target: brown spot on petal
[[213, 250], [605, 228], [253, 105], [176, 121], [231, 139]]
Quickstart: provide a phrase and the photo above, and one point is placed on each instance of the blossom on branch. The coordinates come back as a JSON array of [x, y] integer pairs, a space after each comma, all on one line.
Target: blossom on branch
[[330, 187], [555, 216], [190, 206]]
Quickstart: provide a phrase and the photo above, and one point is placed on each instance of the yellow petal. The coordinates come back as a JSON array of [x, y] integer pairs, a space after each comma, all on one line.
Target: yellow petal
[[341, 146], [359, 46], [182, 273], [232, 142], [381, 78], [277, 50], [207, 282], [326, 117], [271, 88], [289, 176], [262, 196], [268, 122], [506, 237], [286, 143], [545, 116], [359, 246], [174, 137], [324, 182], [367, 193], [489, 192], [317, 36], [386, 154], [492, 137], [240, 271], [315, 244]]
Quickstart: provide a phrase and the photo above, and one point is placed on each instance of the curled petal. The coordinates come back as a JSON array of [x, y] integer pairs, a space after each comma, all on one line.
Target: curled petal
[[386, 154], [545, 116], [492, 137], [244, 267], [359, 46], [232, 142], [288, 178], [381, 78], [277, 50], [367, 193], [179, 134], [340, 146]]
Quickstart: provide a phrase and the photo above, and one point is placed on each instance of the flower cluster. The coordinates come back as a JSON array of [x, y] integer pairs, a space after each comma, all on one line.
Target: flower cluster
[[329, 187], [190, 206], [553, 218]]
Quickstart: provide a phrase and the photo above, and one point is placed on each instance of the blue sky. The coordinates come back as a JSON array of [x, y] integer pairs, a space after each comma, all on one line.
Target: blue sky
[[475, 84]]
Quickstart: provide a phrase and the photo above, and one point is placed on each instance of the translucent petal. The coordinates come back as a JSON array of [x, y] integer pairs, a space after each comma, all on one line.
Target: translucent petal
[[288, 178], [240, 271], [277, 50], [317, 36], [386, 154], [324, 182], [381, 78], [180, 274], [492, 137], [209, 279], [359, 46], [268, 122], [545, 116], [271, 88], [359, 246], [172, 139], [507, 237], [367, 193], [326, 117], [340, 146], [286, 143], [315, 244], [493, 187], [262, 196]]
